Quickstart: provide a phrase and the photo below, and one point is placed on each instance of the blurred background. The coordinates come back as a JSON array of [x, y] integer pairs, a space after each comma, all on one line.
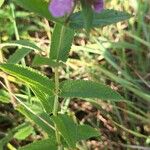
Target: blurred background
[[117, 55]]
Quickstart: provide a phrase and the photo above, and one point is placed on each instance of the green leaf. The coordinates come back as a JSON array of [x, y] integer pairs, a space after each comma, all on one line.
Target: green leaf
[[67, 128], [29, 76], [41, 84], [4, 97], [25, 47], [18, 55], [39, 60], [72, 132], [1, 2], [9, 136], [104, 18], [46, 144], [87, 89], [46, 99], [24, 132], [85, 132], [21, 43], [40, 119], [61, 42], [37, 6]]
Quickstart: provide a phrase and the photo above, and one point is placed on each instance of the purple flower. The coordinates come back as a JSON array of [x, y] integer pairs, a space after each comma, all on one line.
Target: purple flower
[[60, 8], [98, 5]]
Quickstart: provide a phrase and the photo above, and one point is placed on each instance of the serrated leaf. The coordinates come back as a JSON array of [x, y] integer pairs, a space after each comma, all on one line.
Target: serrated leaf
[[61, 42], [24, 132], [67, 128], [46, 99], [22, 43], [106, 17], [18, 55], [42, 120], [46, 144], [28, 75], [71, 131], [39, 60], [41, 84], [87, 89]]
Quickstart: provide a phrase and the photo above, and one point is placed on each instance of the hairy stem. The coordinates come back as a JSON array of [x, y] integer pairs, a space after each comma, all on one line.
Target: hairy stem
[[7, 83], [18, 38], [56, 102], [56, 106]]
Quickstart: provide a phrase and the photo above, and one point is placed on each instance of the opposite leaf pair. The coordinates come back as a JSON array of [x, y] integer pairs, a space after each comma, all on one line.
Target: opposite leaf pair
[[60, 8]]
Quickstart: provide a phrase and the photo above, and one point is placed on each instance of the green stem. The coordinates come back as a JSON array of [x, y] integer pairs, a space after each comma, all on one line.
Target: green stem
[[56, 102], [56, 106], [18, 38]]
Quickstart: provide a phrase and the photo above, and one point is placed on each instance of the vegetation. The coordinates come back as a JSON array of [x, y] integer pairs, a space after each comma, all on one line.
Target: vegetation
[[81, 81]]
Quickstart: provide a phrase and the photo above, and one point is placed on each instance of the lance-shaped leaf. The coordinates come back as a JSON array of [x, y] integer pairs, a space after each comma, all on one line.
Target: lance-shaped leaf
[[46, 144], [24, 132], [28, 75], [41, 84], [73, 132], [21, 43], [46, 99], [18, 55], [40, 119], [40, 60], [106, 17], [87, 89], [61, 42]]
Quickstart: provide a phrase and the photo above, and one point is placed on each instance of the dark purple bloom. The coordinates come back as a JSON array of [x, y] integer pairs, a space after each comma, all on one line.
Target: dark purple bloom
[[98, 5], [60, 8]]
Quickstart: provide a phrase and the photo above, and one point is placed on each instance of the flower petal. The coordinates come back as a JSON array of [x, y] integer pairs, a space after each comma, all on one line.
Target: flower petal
[[98, 5], [60, 8]]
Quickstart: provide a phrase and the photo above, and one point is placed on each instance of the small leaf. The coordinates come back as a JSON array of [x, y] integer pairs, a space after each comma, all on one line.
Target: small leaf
[[4, 97], [24, 132], [42, 120], [28, 44], [73, 132], [39, 60], [106, 17], [47, 99], [67, 128], [40, 84], [85, 132], [22, 43], [9, 136], [87, 89], [18, 55], [61, 42], [28, 75], [46, 144]]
